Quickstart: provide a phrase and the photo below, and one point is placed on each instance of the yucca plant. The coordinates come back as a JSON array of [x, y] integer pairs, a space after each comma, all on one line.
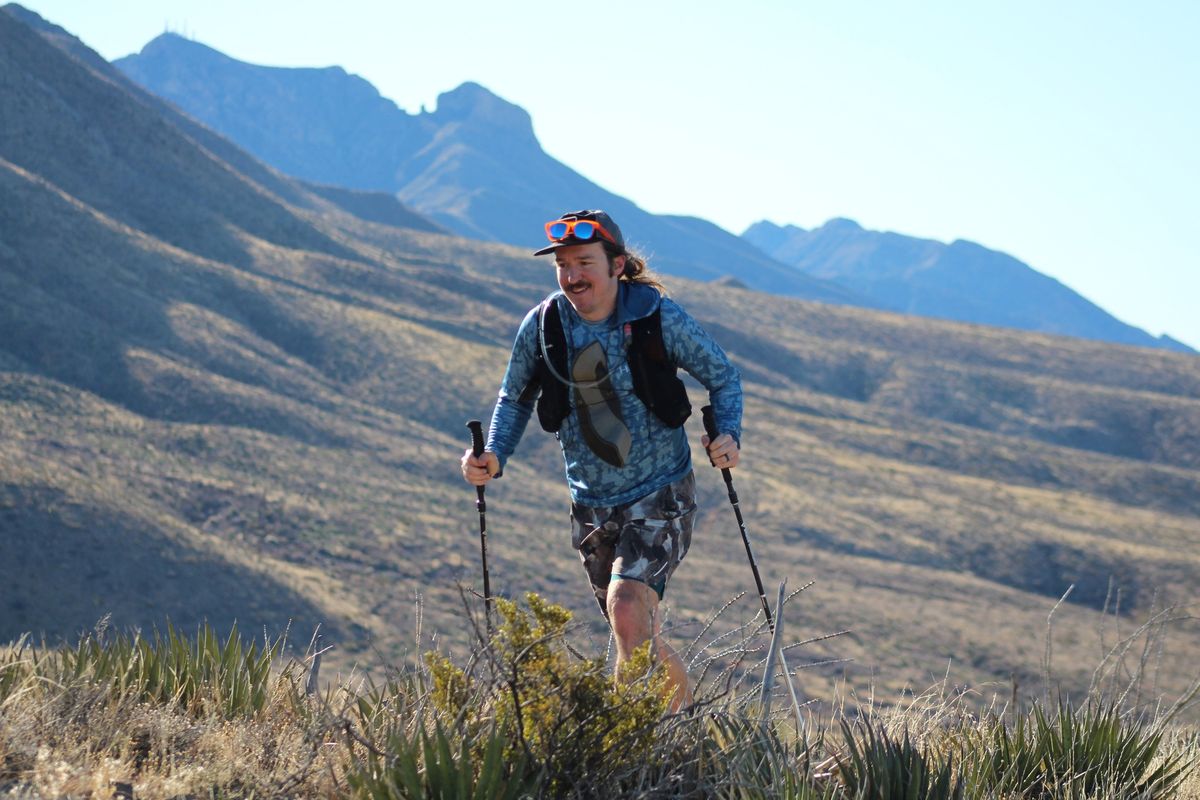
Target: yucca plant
[[878, 767], [15, 668], [746, 760], [233, 677], [380, 710], [430, 766], [1081, 753]]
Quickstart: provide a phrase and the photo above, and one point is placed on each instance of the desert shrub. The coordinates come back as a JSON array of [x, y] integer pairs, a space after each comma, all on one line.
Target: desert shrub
[[526, 716], [527, 713], [170, 714], [559, 714]]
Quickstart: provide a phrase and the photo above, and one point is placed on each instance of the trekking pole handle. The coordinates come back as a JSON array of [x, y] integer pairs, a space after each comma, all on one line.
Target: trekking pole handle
[[710, 425], [477, 448], [710, 428], [476, 436]]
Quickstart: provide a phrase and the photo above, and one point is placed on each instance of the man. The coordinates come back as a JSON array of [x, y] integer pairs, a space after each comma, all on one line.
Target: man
[[600, 357]]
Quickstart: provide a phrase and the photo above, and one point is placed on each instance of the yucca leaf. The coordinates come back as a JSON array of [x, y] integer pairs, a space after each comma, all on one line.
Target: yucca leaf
[[407, 771]]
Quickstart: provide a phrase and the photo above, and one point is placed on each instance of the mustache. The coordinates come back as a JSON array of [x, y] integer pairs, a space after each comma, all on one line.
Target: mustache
[[578, 285]]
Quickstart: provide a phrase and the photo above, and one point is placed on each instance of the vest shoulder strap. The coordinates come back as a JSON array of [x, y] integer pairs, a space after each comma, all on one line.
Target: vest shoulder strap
[[554, 404], [654, 379], [648, 338]]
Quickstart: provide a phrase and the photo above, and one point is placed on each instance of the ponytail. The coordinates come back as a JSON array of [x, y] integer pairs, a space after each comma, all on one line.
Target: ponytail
[[636, 271]]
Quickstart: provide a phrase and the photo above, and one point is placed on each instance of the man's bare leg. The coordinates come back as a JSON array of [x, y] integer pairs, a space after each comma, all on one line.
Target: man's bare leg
[[633, 614]]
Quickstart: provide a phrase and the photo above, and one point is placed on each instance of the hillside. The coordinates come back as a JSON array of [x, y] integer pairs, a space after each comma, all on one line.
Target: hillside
[[224, 397], [961, 280]]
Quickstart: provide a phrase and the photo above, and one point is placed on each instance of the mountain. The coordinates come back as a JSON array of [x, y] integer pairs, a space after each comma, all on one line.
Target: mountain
[[223, 396], [474, 165], [961, 280]]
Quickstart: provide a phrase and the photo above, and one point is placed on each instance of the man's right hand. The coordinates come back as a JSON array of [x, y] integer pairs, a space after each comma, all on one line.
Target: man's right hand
[[478, 470]]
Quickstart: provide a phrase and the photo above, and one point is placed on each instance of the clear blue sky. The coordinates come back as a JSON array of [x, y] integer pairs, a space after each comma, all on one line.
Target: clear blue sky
[[1064, 133]]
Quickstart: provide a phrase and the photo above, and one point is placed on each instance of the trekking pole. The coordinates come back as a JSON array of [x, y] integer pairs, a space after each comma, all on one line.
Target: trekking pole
[[481, 506], [710, 427], [776, 651]]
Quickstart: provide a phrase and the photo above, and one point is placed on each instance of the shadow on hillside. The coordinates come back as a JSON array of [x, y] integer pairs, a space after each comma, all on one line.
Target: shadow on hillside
[[97, 294], [852, 376], [1043, 568], [1050, 569], [66, 566]]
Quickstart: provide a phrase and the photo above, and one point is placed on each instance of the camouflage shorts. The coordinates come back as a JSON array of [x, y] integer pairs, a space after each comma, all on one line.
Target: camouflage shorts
[[644, 540]]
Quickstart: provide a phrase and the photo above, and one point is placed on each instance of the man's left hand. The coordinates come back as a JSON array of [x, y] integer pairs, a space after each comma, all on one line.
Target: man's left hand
[[723, 451]]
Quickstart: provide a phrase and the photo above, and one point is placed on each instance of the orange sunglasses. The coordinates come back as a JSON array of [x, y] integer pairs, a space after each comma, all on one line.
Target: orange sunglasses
[[584, 229]]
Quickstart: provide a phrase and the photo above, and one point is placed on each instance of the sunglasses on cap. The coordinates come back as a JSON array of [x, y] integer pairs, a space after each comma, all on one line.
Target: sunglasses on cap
[[582, 229]]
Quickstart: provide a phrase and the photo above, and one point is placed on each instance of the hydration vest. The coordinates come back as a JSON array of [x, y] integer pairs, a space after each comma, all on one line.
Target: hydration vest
[[654, 374]]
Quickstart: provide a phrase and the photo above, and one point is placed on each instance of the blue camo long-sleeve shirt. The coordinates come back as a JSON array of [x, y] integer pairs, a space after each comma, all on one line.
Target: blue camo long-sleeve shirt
[[659, 455]]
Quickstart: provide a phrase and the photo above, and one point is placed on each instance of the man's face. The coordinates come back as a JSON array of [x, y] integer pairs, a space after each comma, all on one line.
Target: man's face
[[587, 280]]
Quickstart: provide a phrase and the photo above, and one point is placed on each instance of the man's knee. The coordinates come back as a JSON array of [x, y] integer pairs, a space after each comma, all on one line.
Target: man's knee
[[630, 610]]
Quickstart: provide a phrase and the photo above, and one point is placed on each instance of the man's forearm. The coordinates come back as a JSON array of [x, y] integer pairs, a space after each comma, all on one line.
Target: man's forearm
[[508, 424]]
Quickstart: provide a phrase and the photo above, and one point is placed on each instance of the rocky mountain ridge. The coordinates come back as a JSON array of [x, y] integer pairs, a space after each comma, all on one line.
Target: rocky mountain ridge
[[475, 167], [960, 280]]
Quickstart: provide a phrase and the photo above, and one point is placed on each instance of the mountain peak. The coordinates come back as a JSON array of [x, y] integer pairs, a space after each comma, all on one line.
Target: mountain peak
[[841, 225], [766, 227], [962, 280], [471, 102], [169, 42], [176, 48], [767, 236]]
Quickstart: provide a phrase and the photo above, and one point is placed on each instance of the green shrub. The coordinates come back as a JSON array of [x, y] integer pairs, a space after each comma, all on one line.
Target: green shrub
[[578, 733], [561, 714]]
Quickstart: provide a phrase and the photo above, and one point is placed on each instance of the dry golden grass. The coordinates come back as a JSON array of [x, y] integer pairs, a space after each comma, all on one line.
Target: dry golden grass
[[90, 734], [82, 741]]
